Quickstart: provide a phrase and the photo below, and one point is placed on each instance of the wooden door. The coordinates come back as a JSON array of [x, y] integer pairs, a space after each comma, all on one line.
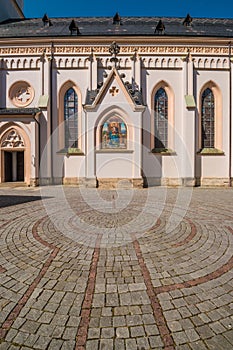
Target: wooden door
[[20, 166], [8, 166]]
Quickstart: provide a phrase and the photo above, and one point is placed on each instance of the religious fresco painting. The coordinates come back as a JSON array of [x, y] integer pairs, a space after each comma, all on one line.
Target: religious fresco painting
[[114, 134]]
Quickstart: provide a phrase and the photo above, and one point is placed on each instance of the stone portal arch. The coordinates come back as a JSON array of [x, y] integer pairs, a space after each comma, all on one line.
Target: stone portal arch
[[14, 154]]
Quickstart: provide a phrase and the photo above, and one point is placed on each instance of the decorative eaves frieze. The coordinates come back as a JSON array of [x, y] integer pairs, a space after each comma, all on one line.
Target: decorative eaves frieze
[[127, 49]]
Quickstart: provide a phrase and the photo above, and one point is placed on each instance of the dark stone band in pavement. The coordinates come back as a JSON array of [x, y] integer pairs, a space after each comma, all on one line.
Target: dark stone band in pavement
[[157, 310], [16, 310], [191, 283], [2, 269], [82, 332], [190, 236]]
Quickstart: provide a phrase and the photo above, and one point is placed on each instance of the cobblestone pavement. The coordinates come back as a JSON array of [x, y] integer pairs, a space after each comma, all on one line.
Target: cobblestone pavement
[[128, 269]]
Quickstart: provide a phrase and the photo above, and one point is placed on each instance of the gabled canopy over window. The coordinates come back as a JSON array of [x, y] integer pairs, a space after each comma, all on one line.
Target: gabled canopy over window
[[114, 133], [161, 119], [207, 119], [71, 118]]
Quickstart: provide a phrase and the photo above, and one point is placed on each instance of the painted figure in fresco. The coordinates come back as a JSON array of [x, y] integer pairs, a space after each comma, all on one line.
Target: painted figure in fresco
[[105, 139], [114, 135]]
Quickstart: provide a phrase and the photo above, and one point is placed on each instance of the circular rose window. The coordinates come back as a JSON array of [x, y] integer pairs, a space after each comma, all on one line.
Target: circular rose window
[[21, 94]]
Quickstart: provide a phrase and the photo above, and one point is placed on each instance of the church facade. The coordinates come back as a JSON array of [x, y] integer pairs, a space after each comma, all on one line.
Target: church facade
[[116, 102]]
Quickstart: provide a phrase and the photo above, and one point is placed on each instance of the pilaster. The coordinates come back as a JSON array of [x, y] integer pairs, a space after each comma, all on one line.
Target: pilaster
[[90, 152], [188, 125], [231, 124]]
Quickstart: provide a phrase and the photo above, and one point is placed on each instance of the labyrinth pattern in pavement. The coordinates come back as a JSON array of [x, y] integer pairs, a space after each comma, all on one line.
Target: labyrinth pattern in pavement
[[127, 269]]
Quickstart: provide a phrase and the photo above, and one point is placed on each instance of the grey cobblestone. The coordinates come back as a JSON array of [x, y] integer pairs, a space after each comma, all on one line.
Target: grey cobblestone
[[92, 345], [205, 332], [42, 343], [137, 331], [122, 332], [133, 320], [131, 344], [107, 333], [180, 338], [151, 329], [119, 344], [189, 268], [155, 342], [106, 344], [143, 343], [119, 321]]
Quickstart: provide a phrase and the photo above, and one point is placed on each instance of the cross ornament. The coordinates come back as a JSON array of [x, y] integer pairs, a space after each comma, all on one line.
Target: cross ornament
[[23, 95], [114, 91]]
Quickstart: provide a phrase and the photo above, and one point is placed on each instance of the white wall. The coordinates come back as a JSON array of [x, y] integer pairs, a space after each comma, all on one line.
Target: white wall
[[122, 165], [216, 166]]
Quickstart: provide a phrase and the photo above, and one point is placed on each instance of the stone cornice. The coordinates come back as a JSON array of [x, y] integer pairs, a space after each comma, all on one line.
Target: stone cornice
[[102, 41], [19, 111]]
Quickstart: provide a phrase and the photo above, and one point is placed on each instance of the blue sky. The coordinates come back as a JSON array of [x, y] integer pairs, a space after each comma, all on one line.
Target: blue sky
[[176, 8]]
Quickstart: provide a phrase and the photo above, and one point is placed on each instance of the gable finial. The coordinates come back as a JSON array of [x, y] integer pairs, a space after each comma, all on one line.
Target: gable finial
[[114, 49]]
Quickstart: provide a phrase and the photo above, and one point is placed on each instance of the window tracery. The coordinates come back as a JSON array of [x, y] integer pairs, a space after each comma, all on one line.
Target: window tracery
[[161, 119], [12, 140], [207, 119], [21, 93], [71, 118]]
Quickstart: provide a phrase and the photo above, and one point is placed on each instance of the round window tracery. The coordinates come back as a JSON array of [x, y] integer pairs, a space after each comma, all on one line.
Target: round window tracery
[[114, 134], [21, 94]]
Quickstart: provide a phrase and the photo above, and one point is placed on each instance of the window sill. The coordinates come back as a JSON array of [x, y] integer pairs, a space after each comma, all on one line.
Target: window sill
[[163, 151], [112, 150], [71, 152], [210, 152]]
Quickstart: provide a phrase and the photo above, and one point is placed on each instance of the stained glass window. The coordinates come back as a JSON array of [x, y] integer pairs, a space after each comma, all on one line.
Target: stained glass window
[[207, 119], [161, 119], [114, 133], [71, 118]]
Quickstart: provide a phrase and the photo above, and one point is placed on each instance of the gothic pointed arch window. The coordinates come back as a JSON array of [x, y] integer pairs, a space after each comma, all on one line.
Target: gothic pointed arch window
[[114, 133], [71, 118], [207, 119], [161, 119]]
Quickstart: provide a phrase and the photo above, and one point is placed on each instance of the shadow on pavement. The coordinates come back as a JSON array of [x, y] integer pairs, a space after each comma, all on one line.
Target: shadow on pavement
[[7, 201]]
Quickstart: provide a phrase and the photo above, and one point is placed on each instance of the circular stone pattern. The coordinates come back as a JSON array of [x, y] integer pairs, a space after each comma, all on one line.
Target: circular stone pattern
[[21, 94], [69, 280]]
